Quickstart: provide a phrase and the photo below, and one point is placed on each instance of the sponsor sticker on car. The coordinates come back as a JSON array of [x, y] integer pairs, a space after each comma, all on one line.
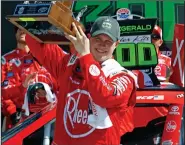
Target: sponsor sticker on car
[[155, 97], [180, 96], [174, 110], [171, 126]]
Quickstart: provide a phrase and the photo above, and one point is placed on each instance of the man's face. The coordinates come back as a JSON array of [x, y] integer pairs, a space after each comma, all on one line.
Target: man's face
[[102, 47], [20, 36], [41, 93], [157, 41]]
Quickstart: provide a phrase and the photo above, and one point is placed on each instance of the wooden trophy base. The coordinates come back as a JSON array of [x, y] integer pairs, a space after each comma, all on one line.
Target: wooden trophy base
[[46, 22]]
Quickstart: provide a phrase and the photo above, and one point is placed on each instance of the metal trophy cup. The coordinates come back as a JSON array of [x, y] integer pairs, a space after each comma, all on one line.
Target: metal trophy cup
[[46, 22]]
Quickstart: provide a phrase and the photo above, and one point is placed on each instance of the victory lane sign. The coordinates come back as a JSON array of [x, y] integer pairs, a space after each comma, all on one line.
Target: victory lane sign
[[46, 22]]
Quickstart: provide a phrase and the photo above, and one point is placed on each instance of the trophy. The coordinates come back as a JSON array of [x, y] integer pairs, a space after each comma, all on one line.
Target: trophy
[[46, 21]]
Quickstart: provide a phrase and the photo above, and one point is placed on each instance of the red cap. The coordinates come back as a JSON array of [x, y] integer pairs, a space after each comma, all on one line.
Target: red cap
[[158, 31]]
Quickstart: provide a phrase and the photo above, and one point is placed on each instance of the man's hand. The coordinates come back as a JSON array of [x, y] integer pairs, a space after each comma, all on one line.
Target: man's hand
[[81, 42]]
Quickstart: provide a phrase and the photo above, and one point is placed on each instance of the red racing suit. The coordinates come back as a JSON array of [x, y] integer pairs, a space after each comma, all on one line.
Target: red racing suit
[[10, 80], [162, 71], [16, 65], [95, 102]]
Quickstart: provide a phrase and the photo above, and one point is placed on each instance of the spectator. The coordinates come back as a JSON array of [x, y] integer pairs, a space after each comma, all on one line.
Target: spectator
[[17, 65], [163, 69]]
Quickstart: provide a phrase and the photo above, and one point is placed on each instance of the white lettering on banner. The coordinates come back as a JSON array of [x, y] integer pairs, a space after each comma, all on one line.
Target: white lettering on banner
[[38, 32], [156, 97], [51, 30], [174, 110], [171, 126], [136, 39], [167, 142], [178, 57]]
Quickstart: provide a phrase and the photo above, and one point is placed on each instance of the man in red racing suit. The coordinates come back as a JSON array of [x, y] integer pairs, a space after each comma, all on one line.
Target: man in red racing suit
[[163, 69], [17, 65], [96, 95]]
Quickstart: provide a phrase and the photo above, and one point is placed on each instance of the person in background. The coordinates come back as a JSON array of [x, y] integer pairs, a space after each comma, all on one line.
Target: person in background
[[163, 69], [19, 67]]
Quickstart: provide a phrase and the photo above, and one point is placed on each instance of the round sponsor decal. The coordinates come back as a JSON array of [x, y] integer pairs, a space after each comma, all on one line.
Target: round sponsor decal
[[175, 108], [158, 69], [123, 14], [77, 110], [171, 126], [94, 70]]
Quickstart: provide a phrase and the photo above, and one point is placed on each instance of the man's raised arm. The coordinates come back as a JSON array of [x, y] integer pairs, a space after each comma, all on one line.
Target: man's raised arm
[[51, 56]]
